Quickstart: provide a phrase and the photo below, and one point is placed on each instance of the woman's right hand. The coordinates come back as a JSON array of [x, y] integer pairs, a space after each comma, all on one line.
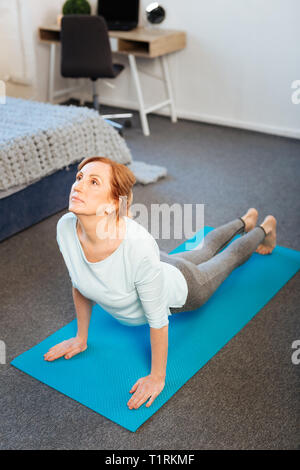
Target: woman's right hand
[[67, 348]]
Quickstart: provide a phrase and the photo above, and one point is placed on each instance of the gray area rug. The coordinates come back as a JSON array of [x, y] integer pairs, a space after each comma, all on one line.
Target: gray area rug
[[146, 173]]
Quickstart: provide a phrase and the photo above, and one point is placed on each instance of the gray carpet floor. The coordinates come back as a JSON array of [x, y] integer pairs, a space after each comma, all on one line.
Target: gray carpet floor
[[247, 395]]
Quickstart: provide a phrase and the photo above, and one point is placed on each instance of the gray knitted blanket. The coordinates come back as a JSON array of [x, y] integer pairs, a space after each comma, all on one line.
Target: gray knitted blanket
[[37, 139]]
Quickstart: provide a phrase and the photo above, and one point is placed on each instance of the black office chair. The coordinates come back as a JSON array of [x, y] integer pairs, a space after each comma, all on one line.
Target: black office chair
[[86, 52]]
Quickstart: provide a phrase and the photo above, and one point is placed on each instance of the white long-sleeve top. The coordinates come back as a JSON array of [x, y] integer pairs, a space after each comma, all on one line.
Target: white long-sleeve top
[[131, 284]]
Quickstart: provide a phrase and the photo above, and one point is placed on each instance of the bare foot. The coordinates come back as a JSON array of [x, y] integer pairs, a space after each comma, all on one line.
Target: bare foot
[[250, 219], [269, 243]]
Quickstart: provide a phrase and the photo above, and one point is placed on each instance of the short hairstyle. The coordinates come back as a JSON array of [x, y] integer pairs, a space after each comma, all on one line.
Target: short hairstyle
[[121, 181]]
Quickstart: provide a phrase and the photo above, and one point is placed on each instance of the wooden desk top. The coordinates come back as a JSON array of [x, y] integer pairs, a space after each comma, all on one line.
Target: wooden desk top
[[143, 42]]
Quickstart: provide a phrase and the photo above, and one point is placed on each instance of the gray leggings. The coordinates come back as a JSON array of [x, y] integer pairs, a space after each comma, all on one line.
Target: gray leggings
[[206, 268]]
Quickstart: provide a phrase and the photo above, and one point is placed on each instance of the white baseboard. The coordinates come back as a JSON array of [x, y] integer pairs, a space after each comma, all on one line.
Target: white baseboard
[[210, 119]]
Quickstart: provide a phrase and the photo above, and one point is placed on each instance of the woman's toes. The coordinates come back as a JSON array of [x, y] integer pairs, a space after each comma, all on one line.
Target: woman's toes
[[253, 212], [250, 219], [263, 250]]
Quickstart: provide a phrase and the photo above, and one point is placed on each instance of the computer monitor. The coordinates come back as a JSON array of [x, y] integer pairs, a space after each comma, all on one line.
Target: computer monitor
[[119, 14]]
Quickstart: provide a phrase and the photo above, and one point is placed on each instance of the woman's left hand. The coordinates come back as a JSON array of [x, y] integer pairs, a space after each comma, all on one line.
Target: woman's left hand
[[145, 387]]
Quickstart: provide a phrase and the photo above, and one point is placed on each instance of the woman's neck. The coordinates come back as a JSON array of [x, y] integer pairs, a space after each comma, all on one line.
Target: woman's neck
[[96, 230]]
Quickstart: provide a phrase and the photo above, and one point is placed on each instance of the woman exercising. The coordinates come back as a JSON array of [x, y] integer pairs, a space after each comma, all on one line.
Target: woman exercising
[[115, 262]]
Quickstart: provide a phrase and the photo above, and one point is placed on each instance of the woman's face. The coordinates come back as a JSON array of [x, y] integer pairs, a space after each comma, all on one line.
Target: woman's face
[[91, 189]]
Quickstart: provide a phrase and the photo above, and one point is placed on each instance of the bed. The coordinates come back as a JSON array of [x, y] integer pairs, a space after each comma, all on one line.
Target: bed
[[41, 145]]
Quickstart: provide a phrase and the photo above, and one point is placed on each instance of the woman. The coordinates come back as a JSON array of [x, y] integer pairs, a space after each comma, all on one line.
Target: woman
[[119, 265]]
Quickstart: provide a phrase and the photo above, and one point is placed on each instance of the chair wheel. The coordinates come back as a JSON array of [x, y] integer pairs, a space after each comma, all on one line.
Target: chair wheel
[[127, 123]]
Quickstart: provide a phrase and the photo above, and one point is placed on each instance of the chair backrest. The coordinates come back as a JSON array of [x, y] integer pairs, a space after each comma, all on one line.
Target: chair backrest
[[85, 47]]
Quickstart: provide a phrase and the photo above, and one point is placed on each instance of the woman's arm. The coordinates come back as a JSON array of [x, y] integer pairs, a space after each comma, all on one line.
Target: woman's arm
[[159, 347], [152, 385], [72, 346], [83, 307]]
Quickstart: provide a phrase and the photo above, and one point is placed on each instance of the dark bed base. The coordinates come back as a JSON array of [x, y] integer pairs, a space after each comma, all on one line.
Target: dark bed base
[[36, 202]]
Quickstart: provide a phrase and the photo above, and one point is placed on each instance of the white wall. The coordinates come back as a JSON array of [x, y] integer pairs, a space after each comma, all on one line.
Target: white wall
[[237, 69]]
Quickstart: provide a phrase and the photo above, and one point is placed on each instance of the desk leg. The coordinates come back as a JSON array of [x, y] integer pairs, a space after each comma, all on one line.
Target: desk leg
[[167, 82], [136, 78], [51, 72]]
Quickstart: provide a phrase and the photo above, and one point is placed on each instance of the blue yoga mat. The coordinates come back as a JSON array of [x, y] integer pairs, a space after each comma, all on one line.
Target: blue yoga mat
[[118, 355]]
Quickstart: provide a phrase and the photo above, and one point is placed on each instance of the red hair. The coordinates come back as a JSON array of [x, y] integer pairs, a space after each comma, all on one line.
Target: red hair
[[121, 181]]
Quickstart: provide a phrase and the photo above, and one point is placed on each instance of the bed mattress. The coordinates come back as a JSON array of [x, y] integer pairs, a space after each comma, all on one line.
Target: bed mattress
[[38, 139]]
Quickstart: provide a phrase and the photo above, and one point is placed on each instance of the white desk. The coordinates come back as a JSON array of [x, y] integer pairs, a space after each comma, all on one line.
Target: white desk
[[139, 42]]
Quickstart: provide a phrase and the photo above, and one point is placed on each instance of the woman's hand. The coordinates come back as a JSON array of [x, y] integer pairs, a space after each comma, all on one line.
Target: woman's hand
[[145, 387], [67, 348]]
